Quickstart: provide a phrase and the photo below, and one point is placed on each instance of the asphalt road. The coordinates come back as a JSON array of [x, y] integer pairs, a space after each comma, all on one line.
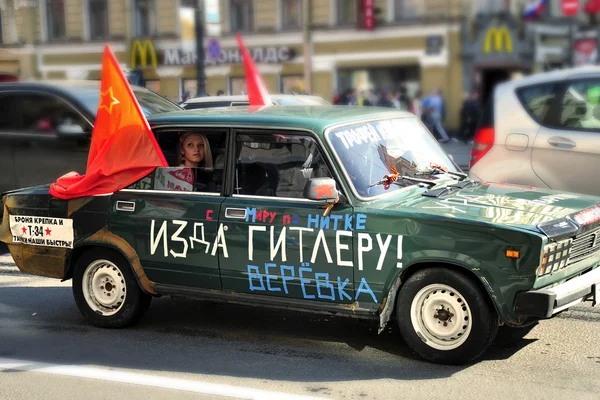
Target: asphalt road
[[188, 349]]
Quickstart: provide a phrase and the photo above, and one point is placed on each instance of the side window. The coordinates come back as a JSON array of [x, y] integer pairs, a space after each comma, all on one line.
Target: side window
[[277, 165], [538, 99], [9, 119], [580, 106], [45, 114], [196, 159]]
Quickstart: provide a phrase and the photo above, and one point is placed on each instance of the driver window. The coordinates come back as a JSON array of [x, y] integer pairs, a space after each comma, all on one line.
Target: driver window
[[277, 165], [44, 114]]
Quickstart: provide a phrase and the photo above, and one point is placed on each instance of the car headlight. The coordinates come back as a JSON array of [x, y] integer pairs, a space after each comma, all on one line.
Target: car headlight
[[555, 257]]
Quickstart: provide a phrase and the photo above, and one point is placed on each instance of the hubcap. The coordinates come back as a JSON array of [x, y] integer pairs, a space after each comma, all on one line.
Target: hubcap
[[104, 287], [441, 317]]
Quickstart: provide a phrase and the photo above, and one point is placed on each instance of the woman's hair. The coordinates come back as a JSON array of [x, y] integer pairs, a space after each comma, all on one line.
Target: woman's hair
[[207, 162]]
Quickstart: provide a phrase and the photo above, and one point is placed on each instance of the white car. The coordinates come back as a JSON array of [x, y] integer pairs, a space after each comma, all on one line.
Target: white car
[[542, 131], [242, 100]]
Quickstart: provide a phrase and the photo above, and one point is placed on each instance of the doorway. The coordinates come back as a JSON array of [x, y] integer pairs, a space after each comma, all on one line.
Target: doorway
[[490, 77]]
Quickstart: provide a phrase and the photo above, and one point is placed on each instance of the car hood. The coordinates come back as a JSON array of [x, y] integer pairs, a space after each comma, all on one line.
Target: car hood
[[524, 207]]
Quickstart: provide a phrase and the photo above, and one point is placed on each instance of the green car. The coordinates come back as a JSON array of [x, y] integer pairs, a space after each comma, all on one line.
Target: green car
[[335, 210]]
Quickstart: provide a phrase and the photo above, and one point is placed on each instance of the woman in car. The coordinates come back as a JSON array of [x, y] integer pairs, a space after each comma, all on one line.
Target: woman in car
[[194, 154], [194, 151]]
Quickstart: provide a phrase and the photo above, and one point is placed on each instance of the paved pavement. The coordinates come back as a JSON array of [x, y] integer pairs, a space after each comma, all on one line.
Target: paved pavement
[[188, 349]]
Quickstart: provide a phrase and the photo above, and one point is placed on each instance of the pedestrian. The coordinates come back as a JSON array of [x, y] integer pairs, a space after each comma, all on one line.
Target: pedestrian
[[367, 98], [469, 117], [434, 105], [415, 104], [185, 96], [351, 99], [403, 98], [396, 99], [385, 99]]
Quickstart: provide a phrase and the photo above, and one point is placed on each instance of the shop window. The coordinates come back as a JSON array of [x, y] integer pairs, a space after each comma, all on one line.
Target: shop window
[[292, 84], [347, 11], [189, 85], [56, 19], [277, 165], [153, 85], [242, 15], [291, 14], [489, 6], [407, 9], [145, 17], [237, 86], [98, 19]]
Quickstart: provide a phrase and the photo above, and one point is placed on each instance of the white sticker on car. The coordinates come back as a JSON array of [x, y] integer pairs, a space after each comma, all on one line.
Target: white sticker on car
[[42, 231]]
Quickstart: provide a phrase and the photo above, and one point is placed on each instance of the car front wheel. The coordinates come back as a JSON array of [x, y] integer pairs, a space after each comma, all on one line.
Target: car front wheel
[[445, 317], [106, 291]]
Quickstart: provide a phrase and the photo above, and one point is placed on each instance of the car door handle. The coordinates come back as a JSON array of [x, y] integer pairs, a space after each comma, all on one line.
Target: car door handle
[[128, 206], [561, 142], [237, 213]]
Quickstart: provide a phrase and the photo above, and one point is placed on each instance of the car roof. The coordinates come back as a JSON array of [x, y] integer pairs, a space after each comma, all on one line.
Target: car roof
[[552, 76], [314, 118], [244, 97], [72, 87]]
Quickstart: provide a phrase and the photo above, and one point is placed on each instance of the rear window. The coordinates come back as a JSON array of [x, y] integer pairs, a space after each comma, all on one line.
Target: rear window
[[538, 100]]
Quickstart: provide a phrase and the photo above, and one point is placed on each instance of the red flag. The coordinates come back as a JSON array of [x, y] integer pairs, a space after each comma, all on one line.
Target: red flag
[[592, 6], [123, 149], [257, 91]]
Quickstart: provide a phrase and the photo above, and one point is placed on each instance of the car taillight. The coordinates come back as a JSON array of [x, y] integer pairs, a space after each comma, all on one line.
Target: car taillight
[[482, 143]]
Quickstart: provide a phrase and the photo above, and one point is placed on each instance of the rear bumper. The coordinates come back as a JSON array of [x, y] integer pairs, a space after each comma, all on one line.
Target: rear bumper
[[544, 303]]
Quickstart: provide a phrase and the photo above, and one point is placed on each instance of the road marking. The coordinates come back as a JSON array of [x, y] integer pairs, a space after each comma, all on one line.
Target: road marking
[[146, 380]]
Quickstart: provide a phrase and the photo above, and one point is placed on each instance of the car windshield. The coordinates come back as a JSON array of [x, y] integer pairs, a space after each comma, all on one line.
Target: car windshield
[[368, 151], [150, 102]]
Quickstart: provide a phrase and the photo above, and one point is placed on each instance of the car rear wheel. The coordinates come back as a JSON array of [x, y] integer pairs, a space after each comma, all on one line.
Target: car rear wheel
[[445, 317], [106, 290]]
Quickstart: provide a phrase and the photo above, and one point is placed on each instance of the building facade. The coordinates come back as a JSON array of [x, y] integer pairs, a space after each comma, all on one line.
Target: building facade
[[415, 43]]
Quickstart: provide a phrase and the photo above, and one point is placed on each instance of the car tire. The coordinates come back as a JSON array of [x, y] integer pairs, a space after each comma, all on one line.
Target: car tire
[[445, 317], [106, 290]]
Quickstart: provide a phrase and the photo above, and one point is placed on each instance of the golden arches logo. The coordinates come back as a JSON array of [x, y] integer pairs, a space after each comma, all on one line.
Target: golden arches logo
[[143, 50], [500, 37]]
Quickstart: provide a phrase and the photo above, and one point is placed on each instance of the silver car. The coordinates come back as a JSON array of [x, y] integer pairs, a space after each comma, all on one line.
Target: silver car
[[542, 131]]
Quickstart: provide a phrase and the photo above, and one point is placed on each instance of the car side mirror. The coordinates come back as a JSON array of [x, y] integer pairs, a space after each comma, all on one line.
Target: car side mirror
[[70, 131], [321, 189]]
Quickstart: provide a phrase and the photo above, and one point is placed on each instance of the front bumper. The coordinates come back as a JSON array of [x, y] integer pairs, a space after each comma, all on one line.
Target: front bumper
[[544, 303]]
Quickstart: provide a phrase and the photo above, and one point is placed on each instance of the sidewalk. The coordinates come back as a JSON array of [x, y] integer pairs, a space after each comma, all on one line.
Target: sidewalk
[[460, 151]]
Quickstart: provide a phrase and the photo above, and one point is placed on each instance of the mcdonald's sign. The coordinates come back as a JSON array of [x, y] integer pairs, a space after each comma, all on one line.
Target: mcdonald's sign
[[144, 51], [500, 38]]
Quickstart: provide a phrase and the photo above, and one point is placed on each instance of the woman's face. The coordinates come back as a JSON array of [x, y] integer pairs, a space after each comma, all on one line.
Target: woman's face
[[193, 150]]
